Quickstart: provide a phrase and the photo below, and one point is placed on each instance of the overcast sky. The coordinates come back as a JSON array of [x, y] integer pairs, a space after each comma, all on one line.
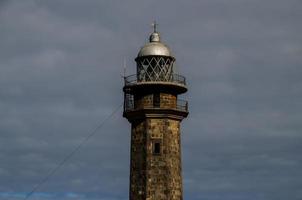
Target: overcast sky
[[61, 63]]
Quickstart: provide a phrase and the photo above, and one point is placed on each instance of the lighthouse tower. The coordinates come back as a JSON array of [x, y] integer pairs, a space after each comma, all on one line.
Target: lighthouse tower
[[152, 107]]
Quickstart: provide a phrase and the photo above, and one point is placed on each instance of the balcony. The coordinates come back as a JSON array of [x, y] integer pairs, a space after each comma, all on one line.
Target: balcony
[[129, 105], [173, 79]]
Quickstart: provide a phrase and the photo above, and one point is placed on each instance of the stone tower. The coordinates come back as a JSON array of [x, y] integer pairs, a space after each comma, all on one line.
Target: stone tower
[[152, 107]]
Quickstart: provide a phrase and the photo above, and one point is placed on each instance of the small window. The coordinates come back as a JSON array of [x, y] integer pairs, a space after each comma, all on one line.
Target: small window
[[156, 100], [156, 148]]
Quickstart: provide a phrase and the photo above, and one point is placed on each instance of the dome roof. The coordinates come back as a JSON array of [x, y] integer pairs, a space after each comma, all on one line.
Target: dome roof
[[154, 47]]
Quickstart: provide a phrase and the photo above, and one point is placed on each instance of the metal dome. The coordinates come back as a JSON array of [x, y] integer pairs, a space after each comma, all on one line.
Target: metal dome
[[154, 47]]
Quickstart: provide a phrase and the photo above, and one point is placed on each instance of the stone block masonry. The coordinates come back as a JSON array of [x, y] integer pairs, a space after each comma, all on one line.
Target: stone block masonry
[[156, 176]]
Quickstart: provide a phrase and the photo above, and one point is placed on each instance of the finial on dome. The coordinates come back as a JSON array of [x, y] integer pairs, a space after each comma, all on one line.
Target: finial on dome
[[155, 47], [154, 37], [154, 24]]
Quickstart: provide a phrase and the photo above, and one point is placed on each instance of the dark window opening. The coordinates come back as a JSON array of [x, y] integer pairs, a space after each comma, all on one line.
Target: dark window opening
[[156, 100], [156, 148]]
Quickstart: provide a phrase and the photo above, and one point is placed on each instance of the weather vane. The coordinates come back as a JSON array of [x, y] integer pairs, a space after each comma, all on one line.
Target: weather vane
[[154, 24]]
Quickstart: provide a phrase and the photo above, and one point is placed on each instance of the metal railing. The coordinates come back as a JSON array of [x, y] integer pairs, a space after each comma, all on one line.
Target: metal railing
[[129, 105], [174, 78], [182, 105]]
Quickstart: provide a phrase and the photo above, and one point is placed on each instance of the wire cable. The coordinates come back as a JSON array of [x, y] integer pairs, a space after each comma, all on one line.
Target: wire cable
[[68, 156]]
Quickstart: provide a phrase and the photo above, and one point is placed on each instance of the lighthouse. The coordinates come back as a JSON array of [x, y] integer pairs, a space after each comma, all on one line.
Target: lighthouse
[[152, 106]]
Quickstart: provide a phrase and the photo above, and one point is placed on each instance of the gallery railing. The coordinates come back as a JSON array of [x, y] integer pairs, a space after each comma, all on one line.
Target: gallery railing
[[173, 78], [129, 105]]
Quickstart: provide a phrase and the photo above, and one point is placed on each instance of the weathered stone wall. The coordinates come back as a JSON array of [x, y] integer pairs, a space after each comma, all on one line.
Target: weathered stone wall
[[156, 176], [144, 101], [138, 161], [163, 170], [166, 101]]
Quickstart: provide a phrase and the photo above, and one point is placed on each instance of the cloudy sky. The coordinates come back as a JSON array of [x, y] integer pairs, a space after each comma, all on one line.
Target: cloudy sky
[[60, 75]]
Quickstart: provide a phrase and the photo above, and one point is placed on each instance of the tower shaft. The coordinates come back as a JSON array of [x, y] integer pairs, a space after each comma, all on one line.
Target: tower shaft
[[155, 157]]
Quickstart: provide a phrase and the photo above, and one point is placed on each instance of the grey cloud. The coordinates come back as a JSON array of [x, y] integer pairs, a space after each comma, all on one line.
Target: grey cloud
[[60, 75]]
